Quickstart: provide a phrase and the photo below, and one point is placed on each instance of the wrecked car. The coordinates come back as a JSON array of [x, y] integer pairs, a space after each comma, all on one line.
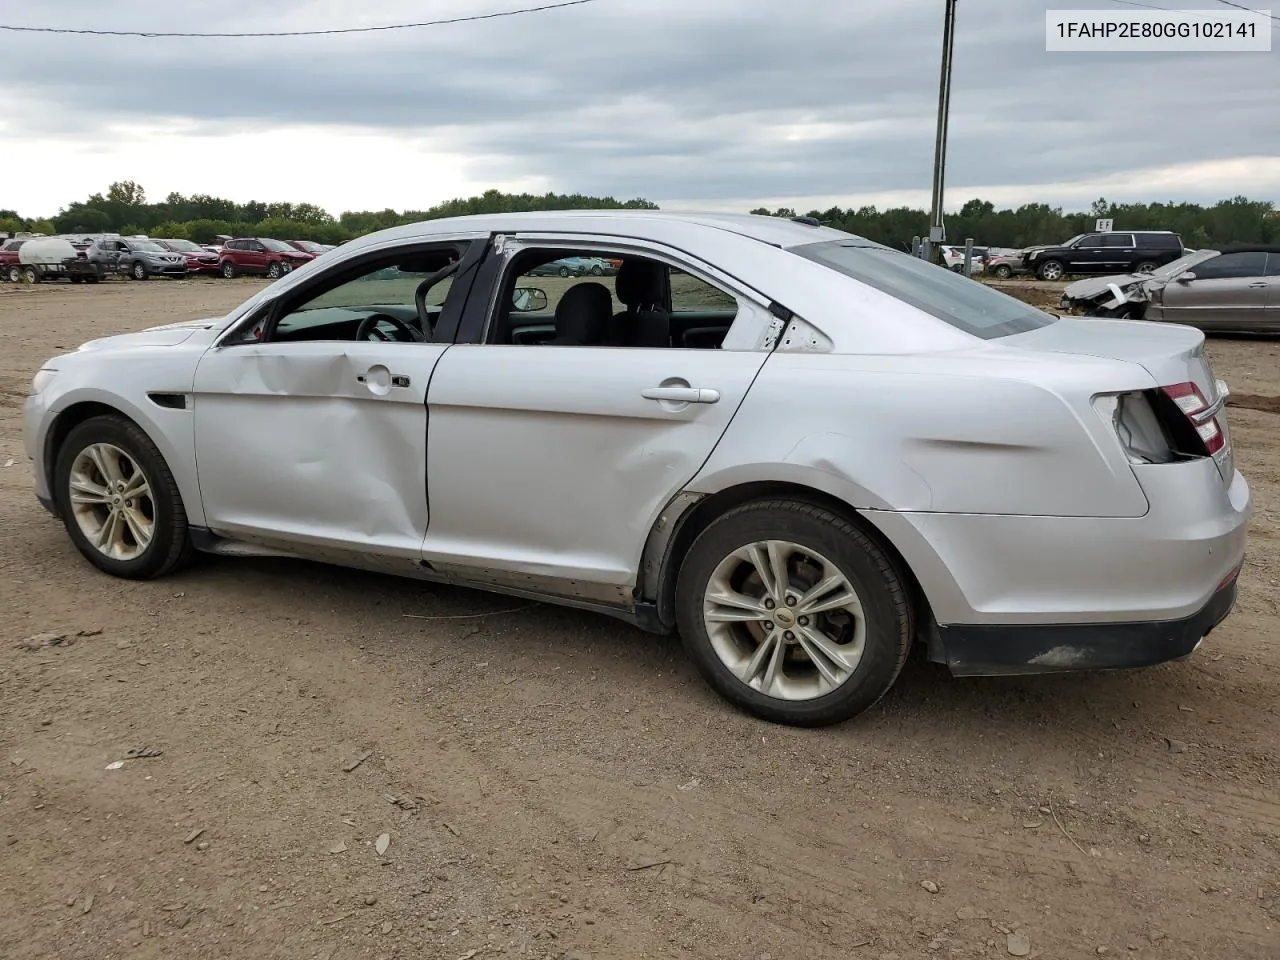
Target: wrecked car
[[1236, 290], [802, 451]]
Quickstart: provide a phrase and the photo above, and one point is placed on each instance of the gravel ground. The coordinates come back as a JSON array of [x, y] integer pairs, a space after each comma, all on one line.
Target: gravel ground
[[541, 782]]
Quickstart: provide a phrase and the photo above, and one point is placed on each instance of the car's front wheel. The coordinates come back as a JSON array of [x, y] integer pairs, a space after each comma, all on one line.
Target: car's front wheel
[[1003, 271], [275, 271], [1050, 270], [792, 613], [139, 271], [119, 501], [564, 271]]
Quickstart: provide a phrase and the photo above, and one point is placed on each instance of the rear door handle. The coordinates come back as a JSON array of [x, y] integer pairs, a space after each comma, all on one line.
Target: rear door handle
[[1260, 284], [682, 394]]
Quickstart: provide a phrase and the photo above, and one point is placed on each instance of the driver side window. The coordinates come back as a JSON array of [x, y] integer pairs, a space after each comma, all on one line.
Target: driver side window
[[377, 304]]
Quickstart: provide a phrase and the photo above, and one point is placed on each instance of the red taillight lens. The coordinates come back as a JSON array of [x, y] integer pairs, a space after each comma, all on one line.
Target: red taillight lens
[[1188, 398]]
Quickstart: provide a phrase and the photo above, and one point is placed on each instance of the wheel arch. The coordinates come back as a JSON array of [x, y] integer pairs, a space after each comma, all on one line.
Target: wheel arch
[[688, 514], [86, 407]]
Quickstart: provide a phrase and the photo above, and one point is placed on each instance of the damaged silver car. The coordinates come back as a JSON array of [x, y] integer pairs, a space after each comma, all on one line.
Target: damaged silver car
[[1237, 290]]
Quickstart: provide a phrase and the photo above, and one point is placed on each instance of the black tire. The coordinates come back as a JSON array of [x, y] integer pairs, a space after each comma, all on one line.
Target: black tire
[[1051, 270], [76, 279], [139, 271], [14, 273], [1002, 271], [564, 271], [865, 565], [31, 275], [170, 545], [597, 271], [1145, 266], [228, 270], [274, 270]]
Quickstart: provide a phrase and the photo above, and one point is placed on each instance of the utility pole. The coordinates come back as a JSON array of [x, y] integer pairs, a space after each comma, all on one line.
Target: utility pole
[[937, 232]]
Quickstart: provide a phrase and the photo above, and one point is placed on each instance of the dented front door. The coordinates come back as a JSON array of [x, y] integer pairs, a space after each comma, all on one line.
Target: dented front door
[[319, 444]]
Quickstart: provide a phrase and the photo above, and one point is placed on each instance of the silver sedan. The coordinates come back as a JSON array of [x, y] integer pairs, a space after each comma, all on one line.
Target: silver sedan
[[803, 451]]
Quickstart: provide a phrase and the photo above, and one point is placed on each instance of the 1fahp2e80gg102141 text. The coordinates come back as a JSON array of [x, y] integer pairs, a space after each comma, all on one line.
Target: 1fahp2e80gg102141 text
[[1199, 31]]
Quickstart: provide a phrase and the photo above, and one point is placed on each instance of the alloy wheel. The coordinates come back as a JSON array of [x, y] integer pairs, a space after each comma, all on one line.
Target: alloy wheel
[[784, 620], [111, 500]]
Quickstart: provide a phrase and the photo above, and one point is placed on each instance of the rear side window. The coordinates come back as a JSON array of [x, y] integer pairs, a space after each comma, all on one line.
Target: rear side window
[[1231, 266], [954, 299], [1160, 241], [1273, 265], [1118, 240]]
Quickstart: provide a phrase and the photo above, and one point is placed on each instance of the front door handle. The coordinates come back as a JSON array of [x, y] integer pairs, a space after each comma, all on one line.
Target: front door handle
[[682, 394], [1261, 284]]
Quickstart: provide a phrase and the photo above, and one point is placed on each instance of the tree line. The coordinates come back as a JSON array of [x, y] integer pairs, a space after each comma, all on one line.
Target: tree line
[[124, 208], [1225, 223]]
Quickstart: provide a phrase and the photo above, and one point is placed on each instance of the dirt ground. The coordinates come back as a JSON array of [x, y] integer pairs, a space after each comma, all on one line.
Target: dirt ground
[[553, 784]]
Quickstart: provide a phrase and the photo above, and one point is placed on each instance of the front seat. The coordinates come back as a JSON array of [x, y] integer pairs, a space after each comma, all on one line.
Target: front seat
[[582, 316], [645, 323]]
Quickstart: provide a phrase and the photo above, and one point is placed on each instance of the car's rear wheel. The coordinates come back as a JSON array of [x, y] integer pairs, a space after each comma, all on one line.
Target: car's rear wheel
[[792, 613], [1146, 266], [275, 271], [119, 501], [228, 269], [1002, 271], [1051, 270]]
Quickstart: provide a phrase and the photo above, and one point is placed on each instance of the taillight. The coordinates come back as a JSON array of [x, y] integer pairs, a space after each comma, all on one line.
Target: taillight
[[1203, 416], [1166, 424]]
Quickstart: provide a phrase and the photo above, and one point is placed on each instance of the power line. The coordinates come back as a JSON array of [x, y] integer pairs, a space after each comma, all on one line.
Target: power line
[[300, 33], [1240, 6]]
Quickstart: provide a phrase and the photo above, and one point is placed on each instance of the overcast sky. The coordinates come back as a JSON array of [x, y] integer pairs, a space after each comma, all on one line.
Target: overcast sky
[[722, 104]]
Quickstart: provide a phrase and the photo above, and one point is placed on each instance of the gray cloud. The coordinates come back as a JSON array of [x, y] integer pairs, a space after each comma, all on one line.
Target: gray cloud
[[664, 98]]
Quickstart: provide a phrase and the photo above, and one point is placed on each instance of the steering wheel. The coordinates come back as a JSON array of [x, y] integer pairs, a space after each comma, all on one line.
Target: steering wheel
[[368, 329]]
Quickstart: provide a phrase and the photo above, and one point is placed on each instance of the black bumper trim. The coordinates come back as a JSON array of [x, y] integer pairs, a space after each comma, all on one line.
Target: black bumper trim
[[991, 650]]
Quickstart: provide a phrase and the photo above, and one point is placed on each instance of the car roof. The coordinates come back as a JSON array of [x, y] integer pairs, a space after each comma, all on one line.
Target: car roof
[[776, 231]]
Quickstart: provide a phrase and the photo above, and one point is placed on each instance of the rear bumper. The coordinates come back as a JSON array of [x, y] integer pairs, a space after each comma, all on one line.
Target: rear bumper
[[1027, 572], [976, 650]]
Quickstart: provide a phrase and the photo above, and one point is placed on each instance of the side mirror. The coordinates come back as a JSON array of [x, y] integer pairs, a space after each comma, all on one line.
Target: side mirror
[[1186, 277], [529, 299]]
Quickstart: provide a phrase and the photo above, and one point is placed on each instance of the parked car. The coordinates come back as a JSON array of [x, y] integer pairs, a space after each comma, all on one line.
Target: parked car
[[10, 268], [864, 451], [311, 247], [137, 259], [954, 258], [260, 255], [576, 267], [199, 260], [51, 258], [1116, 252], [1235, 290], [1002, 266]]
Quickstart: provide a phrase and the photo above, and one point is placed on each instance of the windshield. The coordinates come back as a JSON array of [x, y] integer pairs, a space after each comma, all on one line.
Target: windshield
[[184, 245], [1077, 237], [1183, 263], [954, 299], [310, 246], [279, 246], [146, 245]]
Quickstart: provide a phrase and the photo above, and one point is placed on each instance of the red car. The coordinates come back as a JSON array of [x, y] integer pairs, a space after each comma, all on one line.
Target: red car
[[199, 260], [9, 269], [260, 255]]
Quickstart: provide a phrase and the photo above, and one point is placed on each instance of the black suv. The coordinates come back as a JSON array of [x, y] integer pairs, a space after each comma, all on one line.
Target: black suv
[[1114, 252]]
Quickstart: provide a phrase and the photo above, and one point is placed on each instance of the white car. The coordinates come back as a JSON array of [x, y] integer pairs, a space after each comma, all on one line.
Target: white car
[[802, 450]]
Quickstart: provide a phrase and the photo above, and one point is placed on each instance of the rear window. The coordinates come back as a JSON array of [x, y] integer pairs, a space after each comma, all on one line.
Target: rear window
[[963, 303]]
